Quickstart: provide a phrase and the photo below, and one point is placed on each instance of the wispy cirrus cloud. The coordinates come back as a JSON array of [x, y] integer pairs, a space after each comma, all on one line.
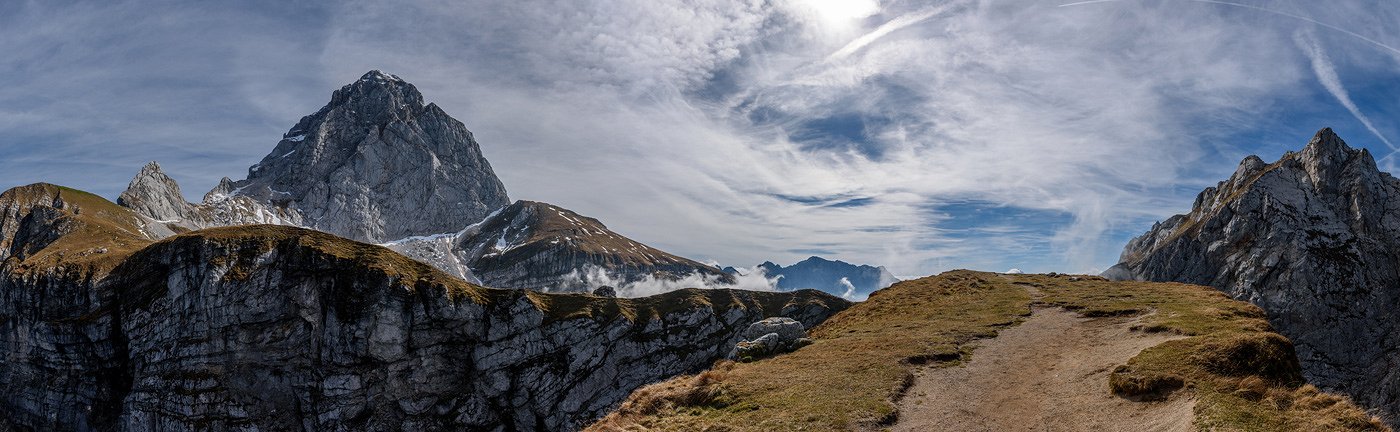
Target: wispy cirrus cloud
[[920, 135]]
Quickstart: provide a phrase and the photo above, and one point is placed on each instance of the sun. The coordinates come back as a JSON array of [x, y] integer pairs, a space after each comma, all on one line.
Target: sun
[[836, 11]]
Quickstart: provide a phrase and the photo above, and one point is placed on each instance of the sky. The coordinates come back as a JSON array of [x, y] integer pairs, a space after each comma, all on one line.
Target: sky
[[919, 135]]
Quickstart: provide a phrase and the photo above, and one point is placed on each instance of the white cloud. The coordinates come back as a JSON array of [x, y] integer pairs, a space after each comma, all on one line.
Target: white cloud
[[593, 277], [850, 293], [1327, 76], [685, 123]]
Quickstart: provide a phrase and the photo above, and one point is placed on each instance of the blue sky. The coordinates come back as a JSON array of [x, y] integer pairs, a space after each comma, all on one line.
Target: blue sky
[[919, 135]]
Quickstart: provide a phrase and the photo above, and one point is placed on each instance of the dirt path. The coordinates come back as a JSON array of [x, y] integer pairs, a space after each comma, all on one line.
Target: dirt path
[[1048, 374]]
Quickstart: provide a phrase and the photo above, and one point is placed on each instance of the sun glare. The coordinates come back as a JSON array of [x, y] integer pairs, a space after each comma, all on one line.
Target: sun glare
[[835, 11]]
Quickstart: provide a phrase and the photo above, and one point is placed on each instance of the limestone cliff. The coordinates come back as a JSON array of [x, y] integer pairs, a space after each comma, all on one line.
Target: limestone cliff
[[1314, 239], [273, 328]]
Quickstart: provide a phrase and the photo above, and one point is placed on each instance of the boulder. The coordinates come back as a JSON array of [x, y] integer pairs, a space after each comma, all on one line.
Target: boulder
[[769, 337], [605, 291]]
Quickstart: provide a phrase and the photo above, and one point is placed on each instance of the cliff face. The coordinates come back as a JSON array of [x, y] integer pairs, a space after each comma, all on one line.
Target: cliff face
[[1314, 239], [275, 328], [540, 246]]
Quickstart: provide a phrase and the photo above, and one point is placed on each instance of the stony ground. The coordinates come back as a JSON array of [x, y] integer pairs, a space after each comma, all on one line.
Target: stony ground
[[1048, 374]]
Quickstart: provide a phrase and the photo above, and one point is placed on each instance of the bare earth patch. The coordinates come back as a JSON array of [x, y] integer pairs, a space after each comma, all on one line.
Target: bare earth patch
[[1048, 374]]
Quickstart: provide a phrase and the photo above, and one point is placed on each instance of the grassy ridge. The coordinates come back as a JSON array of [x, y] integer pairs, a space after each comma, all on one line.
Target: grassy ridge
[[845, 380], [92, 232], [1243, 376]]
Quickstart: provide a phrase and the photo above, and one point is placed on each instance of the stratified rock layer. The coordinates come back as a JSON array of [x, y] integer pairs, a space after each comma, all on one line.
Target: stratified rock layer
[[277, 328], [1314, 239]]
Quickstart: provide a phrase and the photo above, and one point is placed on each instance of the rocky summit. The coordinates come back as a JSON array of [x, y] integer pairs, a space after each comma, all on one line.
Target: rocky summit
[[541, 246], [375, 164], [1313, 239], [265, 327]]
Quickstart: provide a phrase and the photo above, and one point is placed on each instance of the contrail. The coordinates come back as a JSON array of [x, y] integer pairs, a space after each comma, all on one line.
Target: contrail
[[1327, 75], [1088, 2], [1269, 11], [897, 23]]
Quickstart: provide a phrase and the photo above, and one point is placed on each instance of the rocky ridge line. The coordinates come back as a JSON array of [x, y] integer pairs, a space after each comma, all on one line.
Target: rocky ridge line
[[1313, 239]]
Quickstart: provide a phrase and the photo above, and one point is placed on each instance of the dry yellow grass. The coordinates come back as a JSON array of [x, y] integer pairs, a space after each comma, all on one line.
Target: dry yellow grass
[[1243, 376], [845, 380], [94, 234]]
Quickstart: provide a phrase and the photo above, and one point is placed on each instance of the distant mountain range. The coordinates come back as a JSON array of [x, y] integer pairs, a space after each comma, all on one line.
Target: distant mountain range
[[839, 278]]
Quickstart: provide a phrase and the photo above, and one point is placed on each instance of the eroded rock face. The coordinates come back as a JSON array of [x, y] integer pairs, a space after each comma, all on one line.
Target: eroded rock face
[[155, 195], [375, 164], [1314, 239], [540, 246], [278, 328]]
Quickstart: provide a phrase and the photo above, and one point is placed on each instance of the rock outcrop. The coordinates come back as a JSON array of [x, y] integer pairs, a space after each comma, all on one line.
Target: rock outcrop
[[1313, 239], [540, 246], [375, 164], [155, 195], [266, 327], [768, 337]]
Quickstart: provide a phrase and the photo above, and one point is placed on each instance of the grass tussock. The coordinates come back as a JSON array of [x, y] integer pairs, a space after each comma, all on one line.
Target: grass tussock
[[1242, 376], [1143, 385]]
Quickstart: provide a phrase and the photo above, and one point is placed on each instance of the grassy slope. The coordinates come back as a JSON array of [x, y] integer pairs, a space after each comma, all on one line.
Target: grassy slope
[[103, 225], [1243, 376], [96, 223]]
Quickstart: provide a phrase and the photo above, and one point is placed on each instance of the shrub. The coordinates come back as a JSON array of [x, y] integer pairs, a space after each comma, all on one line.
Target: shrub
[[1126, 382]]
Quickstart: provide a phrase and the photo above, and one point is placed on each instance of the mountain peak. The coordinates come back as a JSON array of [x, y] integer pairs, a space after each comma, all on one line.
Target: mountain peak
[[375, 94], [377, 75], [1312, 234], [1325, 144], [154, 194], [150, 167], [1327, 159], [376, 164]]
